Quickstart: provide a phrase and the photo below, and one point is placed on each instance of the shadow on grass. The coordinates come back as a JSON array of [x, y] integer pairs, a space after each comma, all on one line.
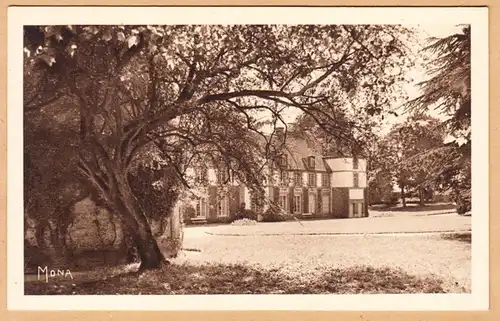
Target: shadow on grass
[[460, 237], [414, 208], [240, 279]]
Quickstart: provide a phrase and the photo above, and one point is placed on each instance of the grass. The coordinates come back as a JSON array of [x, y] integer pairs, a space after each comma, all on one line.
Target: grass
[[241, 279], [460, 237], [414, 207]]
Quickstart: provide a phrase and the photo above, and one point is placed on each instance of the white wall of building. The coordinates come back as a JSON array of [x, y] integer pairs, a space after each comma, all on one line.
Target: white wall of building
[[356, 194], [343, 172], [212, 176], [247, 199], [346, 179], [342, 179]]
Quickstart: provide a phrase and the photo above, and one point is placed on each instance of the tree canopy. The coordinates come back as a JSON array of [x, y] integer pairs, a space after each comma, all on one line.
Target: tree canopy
[[448, 90]]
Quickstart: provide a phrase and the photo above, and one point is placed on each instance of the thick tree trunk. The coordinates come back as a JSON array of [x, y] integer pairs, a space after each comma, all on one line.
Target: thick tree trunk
[[422, 196], [149, 252], [403, 196], [139, 228]]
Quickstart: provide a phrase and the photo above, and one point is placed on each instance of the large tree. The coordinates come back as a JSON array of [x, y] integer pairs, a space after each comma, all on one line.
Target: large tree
[[184, 94], [448, 90]]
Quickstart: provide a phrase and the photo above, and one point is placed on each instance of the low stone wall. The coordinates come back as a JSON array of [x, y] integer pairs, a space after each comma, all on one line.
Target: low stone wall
[[95, 237]]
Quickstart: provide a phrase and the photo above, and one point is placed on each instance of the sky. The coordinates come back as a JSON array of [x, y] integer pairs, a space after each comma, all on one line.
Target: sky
[[418, 73], [424, 32]]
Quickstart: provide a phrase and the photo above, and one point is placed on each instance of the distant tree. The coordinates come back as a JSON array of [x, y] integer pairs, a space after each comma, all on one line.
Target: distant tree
[[380, 170], [402, 148], [448, 90], [193, 94]]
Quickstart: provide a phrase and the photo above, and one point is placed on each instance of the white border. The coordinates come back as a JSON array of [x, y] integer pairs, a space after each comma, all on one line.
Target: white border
[[477, 17]]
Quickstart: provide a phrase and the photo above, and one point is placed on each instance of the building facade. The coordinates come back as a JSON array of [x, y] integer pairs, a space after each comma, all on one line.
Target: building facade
[[302, 182]]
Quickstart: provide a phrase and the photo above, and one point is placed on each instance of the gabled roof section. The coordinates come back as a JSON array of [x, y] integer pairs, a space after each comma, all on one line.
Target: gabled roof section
[[298, 150]]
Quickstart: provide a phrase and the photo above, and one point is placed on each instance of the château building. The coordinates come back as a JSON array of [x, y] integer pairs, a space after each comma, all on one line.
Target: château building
[[305, 184]]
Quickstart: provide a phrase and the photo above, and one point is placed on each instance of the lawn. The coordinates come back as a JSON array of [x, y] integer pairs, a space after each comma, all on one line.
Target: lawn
[[308, 257], [241, 279], [416, 208]]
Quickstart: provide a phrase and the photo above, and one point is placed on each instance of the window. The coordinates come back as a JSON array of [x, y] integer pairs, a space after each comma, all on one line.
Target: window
[[311, 179], [325, 204], [355, 163], [298, 178], [201, 208], [284, 202], [354, 209], [312, 162], [325, 180], [223, 206], [201, 175], [356, 179], [284, 177], [312, 203], [224, 176], [297, 204]]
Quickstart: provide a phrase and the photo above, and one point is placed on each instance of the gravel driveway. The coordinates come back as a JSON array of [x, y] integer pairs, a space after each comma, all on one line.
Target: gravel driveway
[[368, 225], [305, 256]]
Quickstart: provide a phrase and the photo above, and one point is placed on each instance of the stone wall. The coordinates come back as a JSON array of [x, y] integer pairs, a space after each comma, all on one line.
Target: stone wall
[[95, 237]]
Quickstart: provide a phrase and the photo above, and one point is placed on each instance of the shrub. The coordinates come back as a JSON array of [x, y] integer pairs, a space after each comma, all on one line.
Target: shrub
[[244, 213], [392, 199], [244, 222], [188, 214], [463, 201], [35, 257], [274, 214]]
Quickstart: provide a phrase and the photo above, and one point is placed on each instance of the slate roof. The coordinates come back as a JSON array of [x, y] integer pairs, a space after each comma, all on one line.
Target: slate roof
[[298, 151], [298, 148]]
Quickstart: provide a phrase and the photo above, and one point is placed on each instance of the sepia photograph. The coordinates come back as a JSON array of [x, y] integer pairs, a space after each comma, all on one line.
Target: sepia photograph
[[217, 157]]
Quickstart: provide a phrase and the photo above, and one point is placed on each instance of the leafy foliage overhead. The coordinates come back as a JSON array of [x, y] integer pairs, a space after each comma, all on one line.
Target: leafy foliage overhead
[[182, 85], [448, 88]]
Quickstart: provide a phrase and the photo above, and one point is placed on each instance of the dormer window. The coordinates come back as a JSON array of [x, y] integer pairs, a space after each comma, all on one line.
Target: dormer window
[[312, 162], [284, 178], [283, 160]]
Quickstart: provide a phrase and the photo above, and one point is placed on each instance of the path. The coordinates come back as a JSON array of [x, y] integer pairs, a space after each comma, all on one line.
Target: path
[[369, 225]]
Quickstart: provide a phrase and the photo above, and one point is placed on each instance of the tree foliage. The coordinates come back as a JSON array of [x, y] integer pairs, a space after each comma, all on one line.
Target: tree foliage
[[448, 89], [51, 189], [399, 155]]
